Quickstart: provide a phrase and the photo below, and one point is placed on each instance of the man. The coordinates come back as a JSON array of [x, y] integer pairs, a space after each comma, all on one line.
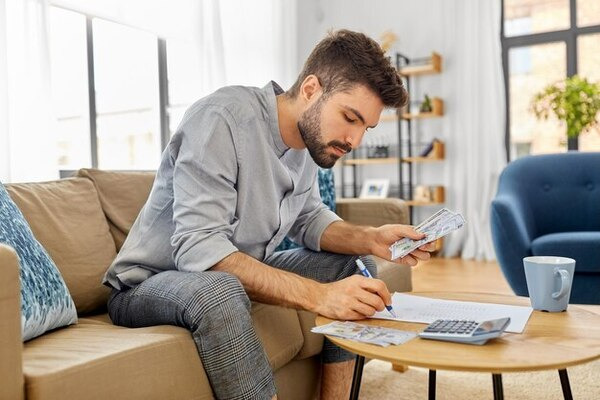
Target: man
[[236, 178]]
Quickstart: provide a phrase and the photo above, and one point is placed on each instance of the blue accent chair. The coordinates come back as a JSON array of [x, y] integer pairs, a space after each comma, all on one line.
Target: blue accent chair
[[550, 205]]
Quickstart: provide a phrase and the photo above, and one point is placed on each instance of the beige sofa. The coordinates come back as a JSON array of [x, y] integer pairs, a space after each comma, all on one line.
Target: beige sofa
[[82, 222]]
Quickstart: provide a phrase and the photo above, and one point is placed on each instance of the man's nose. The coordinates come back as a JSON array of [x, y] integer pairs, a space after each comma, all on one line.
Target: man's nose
[[353, 139]]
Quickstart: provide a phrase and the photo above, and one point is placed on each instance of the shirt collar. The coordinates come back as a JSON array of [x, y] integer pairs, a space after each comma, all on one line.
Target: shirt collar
[[271, 90]]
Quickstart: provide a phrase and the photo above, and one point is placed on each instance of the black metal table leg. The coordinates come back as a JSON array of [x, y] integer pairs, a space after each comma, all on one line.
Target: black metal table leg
[[358, 370], [564, 382], [431, 393], [498, 390]]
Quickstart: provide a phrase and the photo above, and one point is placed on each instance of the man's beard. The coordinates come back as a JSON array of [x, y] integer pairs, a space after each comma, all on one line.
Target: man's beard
[[309, 126]]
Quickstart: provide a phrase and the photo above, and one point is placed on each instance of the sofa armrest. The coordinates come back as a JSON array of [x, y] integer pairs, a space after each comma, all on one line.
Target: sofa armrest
[[373, 212], [11, 345]]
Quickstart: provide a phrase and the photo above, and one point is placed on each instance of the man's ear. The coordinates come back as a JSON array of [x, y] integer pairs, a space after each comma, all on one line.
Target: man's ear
[[310, 88]]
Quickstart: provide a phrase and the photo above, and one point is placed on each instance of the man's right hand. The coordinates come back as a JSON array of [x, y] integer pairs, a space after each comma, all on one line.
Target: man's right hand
[[355, 297]]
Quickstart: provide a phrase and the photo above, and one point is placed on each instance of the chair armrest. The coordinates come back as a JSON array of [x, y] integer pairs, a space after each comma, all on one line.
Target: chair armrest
[[513, 230], [11, 344], [373, 212]]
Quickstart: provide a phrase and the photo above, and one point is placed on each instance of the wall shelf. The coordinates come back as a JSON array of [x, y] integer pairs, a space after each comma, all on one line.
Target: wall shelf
[[409, 152], [432, 65], [366, 161], [436, 196], [437, 111], [418, 195], [415, 203], [421, 159]]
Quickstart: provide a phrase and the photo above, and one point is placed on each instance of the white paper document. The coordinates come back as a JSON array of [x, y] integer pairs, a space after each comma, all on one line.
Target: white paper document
[[425, 310]]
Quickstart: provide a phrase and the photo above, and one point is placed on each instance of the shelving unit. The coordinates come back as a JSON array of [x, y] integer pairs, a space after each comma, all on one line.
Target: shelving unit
[[405, 159], [410, 69]]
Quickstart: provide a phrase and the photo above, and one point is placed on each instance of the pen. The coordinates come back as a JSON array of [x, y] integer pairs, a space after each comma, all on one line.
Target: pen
[[365, 272]]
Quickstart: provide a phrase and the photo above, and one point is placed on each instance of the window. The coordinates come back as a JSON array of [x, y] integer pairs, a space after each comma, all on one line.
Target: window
[[546, 65], [588, 63], [69, 81], [115, 113], [524, 17], [543, 42], [127, 97], [588, 12], [185, 79]]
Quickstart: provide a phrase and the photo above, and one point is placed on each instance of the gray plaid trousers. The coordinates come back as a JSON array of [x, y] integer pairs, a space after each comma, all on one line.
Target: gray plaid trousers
[[214, 307]]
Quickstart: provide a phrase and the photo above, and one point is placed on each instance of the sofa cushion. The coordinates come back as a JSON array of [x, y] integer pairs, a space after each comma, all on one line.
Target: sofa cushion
[[45, 300], [66, 217], [97, 360], [584, 247], [122, 196]]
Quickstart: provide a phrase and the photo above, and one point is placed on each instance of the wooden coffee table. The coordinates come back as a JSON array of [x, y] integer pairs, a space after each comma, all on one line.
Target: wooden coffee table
[[549, 341]]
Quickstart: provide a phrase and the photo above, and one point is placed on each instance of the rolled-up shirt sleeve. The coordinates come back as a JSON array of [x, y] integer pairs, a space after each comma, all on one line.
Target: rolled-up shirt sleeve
[[312, 221], [204, 190]]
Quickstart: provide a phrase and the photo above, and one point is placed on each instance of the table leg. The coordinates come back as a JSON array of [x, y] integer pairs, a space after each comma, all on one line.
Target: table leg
[[498, 390], [358, 369], [564, 382], [431, 384]]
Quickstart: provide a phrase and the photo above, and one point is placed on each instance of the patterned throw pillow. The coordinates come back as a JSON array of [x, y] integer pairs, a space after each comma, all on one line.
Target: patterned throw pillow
[[45, 300], [327, 192]]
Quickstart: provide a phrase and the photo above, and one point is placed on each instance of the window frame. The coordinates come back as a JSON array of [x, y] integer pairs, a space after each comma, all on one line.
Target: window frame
[[163, 84], [568, 36]]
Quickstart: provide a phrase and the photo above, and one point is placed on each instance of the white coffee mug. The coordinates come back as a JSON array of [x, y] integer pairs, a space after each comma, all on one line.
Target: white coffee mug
[[549, 281]]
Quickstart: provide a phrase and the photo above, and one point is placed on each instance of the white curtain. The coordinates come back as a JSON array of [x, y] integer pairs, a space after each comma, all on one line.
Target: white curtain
[[4, 144], [475, 122], [212, 51], [27, 151]]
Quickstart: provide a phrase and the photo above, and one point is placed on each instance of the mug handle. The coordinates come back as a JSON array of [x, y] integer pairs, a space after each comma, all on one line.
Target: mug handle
[[565, 283]]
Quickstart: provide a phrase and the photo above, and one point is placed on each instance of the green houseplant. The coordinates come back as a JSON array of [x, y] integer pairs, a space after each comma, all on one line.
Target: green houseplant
[[574, 100]]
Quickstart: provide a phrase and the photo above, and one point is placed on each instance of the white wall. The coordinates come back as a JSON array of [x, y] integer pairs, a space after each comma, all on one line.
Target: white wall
[[421, 27]]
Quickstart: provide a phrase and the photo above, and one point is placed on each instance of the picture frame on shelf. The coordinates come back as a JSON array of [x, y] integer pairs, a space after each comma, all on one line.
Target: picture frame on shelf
[[375, 189]]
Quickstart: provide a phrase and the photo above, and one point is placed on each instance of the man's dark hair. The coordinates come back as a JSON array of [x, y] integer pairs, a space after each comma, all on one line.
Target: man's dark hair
[[344, 59]]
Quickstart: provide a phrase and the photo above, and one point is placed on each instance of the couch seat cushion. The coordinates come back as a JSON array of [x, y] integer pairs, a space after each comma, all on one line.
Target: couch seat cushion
[[66, 218], [98, 360], [583, 247]]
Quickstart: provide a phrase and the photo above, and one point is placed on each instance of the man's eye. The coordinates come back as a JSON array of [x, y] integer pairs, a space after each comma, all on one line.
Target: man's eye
[[349, 119]]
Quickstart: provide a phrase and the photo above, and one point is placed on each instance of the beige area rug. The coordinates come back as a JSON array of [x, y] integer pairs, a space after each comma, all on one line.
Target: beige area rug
[[380, 382]]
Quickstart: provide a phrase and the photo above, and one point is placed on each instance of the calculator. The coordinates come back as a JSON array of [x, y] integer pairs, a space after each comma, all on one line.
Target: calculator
[[465, 331]]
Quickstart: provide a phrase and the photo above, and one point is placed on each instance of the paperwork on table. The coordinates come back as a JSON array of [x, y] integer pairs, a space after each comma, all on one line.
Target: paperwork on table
[[410, 308]]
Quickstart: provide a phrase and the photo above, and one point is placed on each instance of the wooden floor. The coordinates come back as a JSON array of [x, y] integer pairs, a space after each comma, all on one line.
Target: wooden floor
[[458, 275]]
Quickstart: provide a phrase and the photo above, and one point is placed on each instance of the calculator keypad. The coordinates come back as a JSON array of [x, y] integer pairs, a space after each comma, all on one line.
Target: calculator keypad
[[452, 327]]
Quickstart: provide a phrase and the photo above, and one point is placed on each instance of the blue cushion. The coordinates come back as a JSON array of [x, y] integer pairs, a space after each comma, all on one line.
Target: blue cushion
[[583, 247], [327, 192], [327, 188], [45, 300]]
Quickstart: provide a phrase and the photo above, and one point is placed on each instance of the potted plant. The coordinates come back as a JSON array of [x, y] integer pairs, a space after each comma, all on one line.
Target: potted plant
[[426, 105], [574, 100]]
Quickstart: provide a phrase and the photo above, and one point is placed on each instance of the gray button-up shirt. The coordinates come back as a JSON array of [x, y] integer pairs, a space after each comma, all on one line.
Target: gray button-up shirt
[[226, 182]]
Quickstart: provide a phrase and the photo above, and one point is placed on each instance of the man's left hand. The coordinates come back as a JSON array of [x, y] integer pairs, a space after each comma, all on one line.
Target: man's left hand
[[384, 236]]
